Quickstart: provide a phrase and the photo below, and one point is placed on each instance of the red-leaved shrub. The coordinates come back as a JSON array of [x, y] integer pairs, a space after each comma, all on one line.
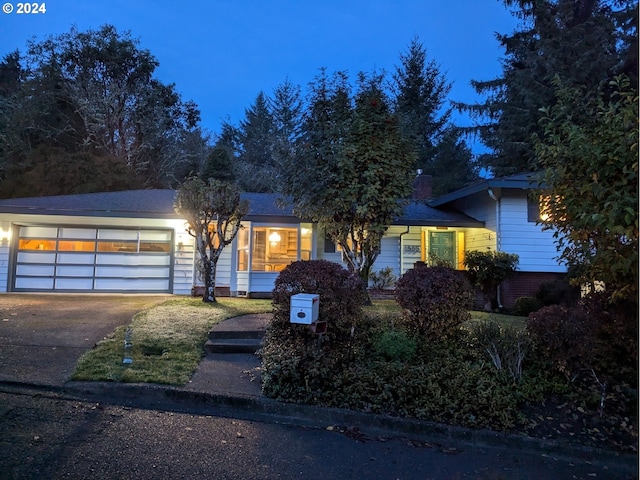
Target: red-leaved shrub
[[438, 299]]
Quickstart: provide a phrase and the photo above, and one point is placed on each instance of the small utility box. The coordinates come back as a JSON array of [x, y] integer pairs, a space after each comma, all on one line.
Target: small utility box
[[304, 308]]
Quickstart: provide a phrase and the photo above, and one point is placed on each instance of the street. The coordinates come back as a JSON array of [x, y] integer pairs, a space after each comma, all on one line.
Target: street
[[49, 435]]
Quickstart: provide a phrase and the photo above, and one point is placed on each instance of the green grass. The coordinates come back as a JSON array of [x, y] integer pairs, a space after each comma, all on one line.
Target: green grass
[[389, 308], [167, 341]]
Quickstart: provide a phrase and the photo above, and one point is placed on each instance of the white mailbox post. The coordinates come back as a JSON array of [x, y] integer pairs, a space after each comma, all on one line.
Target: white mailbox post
[[304, 308]]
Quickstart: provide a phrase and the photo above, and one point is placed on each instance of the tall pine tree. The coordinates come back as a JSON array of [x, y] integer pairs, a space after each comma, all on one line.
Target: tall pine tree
[[421, 92]]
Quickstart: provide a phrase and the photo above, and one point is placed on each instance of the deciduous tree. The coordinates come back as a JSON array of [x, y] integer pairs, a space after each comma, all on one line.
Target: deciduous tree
[[589, 152], [214, 211]]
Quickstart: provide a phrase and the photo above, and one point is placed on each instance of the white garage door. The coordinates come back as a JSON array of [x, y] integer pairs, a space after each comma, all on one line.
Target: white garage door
[[92, 260]]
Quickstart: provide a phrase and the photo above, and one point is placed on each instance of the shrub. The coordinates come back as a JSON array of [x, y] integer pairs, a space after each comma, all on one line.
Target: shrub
[[394, 345], [296, 364], [438, 299], [382, 279], [339, 290], [563, 336], [526, 305], [595, 337], [558, 292], [506, 347], [488, 270]]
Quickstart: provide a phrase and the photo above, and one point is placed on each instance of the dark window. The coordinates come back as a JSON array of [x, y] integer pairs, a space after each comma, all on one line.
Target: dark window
[[329, 246]]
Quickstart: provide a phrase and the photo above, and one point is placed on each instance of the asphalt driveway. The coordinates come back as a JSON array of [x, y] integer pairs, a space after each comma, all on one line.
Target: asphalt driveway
[[42, 336]]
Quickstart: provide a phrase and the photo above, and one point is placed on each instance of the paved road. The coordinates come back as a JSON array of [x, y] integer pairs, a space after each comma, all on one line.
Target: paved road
[[47, 436]]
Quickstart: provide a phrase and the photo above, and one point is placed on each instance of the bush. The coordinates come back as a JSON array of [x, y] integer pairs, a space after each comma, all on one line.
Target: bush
[[382, 279], [558, 292], [339, 290], [526, 305], [505, 346], [394, 345], [488, 270], [296, 364], [438, 299], [594, 336], [563, 336]]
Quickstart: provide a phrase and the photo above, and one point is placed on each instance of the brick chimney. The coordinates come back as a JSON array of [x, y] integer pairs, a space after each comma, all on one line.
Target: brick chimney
[[422, 187]]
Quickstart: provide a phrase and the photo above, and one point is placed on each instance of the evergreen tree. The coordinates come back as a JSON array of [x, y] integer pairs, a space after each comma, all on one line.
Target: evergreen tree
[[421, 91], [353, 167], [575, 40], [255, 163]]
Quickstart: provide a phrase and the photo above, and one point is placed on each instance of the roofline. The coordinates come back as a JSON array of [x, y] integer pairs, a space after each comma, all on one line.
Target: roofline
[[484, 185]]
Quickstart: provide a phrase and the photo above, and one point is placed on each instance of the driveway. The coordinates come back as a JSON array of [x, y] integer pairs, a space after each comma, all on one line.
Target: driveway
[[42, 336]]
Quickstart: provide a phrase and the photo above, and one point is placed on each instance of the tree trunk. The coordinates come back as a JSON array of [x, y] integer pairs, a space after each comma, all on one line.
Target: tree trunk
[[209, 295]]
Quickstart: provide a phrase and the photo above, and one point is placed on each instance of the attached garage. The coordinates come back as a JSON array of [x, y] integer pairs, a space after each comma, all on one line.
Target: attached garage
[[110, 242], [56, 258]]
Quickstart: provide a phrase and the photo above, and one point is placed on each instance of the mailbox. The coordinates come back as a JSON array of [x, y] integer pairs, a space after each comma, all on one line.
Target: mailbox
[[304, 308]]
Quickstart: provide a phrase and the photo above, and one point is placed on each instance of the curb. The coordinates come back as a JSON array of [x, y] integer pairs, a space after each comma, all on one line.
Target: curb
[[254, 408]]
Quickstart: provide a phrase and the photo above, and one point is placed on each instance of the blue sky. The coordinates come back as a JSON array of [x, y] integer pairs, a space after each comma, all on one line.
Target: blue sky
[[220, 54]]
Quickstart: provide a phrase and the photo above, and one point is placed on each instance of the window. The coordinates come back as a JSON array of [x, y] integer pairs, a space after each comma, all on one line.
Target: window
[[273, 248]]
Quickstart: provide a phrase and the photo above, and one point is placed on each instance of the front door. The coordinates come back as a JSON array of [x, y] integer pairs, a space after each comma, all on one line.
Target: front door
[[442, 248]]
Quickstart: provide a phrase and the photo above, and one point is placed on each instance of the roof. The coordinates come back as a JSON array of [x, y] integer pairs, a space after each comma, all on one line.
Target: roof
[[159, 204], [521, 181], [420, 214], [129, 203]]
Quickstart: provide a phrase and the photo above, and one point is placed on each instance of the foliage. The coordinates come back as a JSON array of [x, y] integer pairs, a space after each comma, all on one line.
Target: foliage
[[294, 361], [589, 150], [488, 270], [526, 305], [383, 278], [558, 292], [420, 91], [395, 346], [582, 43], [505, 345], [352, 167], [340, 304], [92, 96], [438, 299], [213, 211], [594, 336]]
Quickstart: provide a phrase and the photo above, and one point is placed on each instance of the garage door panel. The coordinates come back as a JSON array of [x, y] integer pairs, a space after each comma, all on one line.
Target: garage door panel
[[132, 284], [131, 272], [70, 259], [74, 284], [76, 258], [132, 259], [74, 271], [35, 270], [36, 257], [34, 283]]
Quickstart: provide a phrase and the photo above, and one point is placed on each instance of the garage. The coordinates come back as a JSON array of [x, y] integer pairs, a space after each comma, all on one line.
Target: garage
[[73, 259]]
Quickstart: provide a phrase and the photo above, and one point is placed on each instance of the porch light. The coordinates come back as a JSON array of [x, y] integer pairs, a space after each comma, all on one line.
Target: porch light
[[275, 237]]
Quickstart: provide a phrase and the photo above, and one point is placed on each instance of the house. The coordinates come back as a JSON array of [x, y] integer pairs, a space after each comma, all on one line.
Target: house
[[134, 242]]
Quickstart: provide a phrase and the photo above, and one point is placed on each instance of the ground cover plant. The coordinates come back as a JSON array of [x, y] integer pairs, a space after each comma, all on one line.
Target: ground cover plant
[[489, 371], [166, 341]]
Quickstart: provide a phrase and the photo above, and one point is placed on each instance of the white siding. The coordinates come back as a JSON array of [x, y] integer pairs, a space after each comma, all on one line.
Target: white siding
[[535, 247]]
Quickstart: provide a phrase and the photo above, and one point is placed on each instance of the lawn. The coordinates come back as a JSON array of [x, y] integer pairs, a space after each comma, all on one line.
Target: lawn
[[167, 342]]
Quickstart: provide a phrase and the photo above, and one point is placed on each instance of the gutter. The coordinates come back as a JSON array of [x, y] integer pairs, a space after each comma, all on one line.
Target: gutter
[[402, 250], [498, 236]]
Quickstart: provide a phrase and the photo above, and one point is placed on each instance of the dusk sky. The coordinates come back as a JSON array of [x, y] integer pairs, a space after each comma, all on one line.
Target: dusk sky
[[220, 54]]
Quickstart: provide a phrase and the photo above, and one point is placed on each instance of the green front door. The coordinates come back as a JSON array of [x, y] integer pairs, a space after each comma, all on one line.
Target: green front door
[[442, 247]]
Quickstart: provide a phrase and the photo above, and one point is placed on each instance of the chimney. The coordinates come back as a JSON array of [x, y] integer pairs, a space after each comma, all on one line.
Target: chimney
[[422, 186]]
